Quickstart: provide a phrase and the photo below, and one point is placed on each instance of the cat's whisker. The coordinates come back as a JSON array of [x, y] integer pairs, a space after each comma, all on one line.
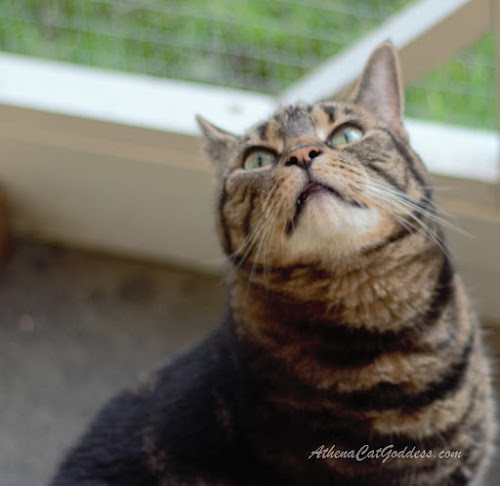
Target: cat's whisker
[[257, 256], [424, 204], [252, 239], [387, 188], [283, 230], [395, 204], [434, 217], [249, 241], [425, 209], [403, 222], [266, 244], [271, 217], [262, 236], [392, 204]]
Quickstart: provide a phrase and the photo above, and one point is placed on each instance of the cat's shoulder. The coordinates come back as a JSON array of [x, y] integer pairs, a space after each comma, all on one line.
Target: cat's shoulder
[[180, 385], [180, 415]]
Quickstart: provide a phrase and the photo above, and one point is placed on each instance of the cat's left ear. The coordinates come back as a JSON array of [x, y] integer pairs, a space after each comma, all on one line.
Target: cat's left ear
[[380, 87], [218, 142]]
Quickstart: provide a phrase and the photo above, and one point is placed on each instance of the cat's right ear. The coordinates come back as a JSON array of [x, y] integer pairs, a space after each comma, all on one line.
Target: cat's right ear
[[218, 142], [380, 87]]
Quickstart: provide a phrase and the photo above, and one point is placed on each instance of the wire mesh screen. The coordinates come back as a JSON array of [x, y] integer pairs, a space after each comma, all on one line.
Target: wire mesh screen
[[254, 44], [460, 92]]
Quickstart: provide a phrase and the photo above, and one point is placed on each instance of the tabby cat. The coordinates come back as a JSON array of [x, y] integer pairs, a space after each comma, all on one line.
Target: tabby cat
[[348, 354]]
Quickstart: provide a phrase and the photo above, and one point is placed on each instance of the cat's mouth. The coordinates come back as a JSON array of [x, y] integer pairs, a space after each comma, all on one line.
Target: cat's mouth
[[315, 188]]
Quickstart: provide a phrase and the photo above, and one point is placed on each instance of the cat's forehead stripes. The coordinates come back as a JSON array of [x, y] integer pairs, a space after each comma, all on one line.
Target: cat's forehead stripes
[[329, 111], [268, 131], [295, 121], [300, 120], [262, 131], [323, 116]]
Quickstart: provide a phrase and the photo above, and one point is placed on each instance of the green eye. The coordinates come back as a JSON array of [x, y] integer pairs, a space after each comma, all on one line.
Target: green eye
[[258, 158], [346, 134]]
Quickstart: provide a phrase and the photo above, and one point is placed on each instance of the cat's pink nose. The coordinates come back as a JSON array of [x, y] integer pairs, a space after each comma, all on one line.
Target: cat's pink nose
[[303, 156]]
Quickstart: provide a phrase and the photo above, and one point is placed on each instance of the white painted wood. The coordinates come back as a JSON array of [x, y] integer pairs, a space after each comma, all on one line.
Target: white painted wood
[[427, 32], [455, 151], [129, 99], [98, 185], [170, 106]]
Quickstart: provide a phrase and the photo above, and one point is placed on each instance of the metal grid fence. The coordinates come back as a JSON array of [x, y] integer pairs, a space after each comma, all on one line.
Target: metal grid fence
[[254, 44], [462, 91]]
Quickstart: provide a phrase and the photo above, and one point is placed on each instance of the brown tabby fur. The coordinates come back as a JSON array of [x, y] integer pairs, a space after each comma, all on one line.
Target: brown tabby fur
[[346, 326], [373, 330]]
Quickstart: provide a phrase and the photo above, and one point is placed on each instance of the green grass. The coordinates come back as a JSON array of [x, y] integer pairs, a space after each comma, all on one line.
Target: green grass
[[259, 45], [461, 92]]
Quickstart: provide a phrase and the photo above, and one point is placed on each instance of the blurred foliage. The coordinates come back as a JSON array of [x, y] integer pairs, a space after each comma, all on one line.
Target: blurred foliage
[[462, 91], [259, 45]]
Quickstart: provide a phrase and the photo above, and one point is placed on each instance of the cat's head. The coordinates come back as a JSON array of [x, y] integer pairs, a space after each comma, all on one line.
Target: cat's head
[[320, 182]]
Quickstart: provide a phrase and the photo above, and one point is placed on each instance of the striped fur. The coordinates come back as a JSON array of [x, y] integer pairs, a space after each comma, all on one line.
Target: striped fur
[[347, 325], [354, 324]]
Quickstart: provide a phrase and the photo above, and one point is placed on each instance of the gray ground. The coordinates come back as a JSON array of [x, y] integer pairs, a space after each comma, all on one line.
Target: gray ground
[[75, 327]]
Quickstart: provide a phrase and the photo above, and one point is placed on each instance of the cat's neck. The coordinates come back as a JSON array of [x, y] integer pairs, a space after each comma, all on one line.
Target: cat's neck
[[300, 342], [376, 293]]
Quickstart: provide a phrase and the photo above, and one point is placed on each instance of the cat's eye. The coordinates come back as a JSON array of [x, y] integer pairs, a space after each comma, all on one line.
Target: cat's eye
[[345, 134], [258, 158]]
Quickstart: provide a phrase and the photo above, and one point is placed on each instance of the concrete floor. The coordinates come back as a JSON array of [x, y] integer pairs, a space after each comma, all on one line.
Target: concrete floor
[[74, 328]]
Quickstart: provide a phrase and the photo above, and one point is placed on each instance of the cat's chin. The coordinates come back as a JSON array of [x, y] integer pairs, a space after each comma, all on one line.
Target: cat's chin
[[331, 228]]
